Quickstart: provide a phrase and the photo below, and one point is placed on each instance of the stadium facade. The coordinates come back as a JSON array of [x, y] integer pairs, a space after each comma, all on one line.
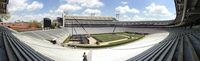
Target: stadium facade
[[106, 21], [88, 21]]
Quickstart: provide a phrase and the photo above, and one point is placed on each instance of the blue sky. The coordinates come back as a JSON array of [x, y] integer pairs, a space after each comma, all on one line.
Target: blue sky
[[129, 10]]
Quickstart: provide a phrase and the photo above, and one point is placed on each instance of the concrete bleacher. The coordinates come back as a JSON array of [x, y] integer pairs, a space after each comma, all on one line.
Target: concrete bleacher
[[46, 48], [54, 34], [20, 47], [181, 45], [12, 49]]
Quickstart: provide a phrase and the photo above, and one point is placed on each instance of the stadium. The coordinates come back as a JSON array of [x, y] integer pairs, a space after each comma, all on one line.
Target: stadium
[[104, 38]]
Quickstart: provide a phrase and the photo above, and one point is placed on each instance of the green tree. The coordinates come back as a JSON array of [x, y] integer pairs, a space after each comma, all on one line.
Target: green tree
[[53, 25], [35, 23]]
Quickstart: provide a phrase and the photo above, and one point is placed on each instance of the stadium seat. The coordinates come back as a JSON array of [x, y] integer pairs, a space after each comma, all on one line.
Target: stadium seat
[[12, 49], [180, 45]]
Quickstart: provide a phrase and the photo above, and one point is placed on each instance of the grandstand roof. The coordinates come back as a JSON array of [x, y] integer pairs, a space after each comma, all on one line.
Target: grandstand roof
[[188, 12], [107, 18]]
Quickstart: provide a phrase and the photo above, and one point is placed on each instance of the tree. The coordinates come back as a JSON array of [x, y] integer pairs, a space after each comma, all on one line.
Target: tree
[[35, 24], [53, 25]]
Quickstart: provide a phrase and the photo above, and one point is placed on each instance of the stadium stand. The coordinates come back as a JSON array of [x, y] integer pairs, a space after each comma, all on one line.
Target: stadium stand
[[180, 45], [109, 23], [12, 49], [53, 34]]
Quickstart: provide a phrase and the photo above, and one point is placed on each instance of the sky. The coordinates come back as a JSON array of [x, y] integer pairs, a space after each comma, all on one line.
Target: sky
[[129, 10]]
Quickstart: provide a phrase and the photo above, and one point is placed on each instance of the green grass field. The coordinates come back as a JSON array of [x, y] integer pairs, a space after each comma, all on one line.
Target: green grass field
[[128, 34], [110, 44], [111, 39], [107, 37]]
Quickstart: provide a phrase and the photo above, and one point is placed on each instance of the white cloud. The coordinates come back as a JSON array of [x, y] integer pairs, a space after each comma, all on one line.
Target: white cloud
[[157, 12], [67, 7], [137, 18], [17, 5], [34, 6], [89, 11], [50, 11], [161, 10], [37, 17], [134, 18], [124, 2], [126, 9], [152, 12], [87, 3], [92, 3], [125, 18], [143, 18], [75, 5], [173, 16]]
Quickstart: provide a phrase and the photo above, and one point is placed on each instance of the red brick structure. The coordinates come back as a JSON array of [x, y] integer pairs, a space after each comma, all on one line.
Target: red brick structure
[[5, 24], [24, 26]]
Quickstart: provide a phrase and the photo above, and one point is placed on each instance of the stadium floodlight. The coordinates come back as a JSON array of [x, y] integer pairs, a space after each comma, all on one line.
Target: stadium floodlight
[[117, 14], [63, 16]]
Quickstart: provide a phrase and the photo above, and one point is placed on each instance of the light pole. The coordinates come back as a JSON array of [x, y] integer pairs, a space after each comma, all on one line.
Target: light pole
[[63, 19]]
